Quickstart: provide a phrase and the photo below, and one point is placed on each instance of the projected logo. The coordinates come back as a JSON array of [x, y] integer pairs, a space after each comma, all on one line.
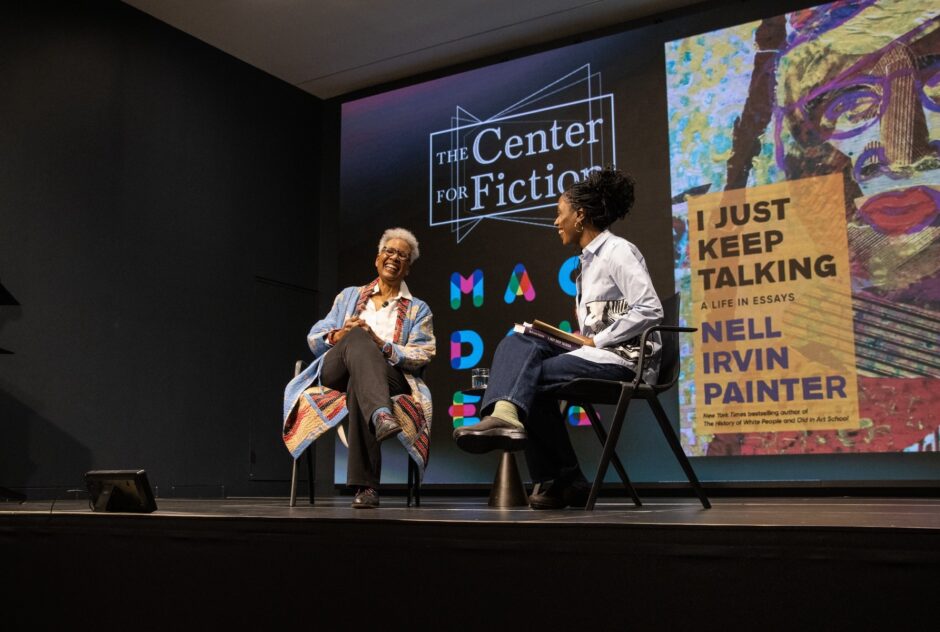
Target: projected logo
[[567, 274], [469, 340], [464, 409], [514, 164], [577, 416], [519, 285], [460, 285]]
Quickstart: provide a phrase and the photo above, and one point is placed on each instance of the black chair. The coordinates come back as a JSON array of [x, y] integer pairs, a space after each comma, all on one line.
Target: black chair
[[587, 392], [414, 479]]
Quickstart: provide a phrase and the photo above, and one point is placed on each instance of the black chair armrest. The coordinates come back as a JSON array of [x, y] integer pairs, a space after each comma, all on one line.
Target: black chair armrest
[[646, 332]]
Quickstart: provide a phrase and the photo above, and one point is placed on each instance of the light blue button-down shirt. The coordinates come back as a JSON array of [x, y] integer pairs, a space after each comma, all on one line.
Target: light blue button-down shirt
[[616, 302]]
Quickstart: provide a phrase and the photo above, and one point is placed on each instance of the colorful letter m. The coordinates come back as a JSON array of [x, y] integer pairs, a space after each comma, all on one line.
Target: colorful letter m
[[460, 286]]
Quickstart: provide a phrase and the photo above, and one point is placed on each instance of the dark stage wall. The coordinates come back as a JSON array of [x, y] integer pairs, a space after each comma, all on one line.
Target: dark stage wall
[[159, 226]]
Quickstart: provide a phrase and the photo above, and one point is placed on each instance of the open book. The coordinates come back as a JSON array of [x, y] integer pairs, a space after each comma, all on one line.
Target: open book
[[552, 335]]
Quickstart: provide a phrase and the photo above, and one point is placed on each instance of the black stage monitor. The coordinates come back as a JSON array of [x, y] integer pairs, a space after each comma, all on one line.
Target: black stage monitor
[[120, 490]]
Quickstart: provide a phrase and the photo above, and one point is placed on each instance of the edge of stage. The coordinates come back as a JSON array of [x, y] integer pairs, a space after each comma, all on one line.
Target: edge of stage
[[459, 564]]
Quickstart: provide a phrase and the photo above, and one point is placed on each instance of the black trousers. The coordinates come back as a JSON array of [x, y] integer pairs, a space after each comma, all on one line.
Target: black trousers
[[357, 367], [549, 453]]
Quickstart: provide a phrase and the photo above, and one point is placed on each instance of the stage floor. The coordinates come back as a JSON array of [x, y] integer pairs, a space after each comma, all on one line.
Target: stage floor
[[804, 513], [457, 564]]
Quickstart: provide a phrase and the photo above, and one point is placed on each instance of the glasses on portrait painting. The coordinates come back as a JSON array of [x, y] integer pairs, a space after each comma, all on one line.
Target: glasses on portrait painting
[[878, 108], [849, 107]]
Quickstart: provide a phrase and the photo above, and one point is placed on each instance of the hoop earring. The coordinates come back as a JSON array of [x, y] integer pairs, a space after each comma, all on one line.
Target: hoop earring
[[579, 226]]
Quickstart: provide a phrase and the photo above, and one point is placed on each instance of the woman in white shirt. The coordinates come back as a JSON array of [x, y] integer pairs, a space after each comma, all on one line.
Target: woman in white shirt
[[615, 303]]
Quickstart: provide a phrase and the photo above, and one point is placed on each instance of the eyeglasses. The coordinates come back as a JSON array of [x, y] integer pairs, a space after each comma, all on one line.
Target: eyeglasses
[[398, 254]]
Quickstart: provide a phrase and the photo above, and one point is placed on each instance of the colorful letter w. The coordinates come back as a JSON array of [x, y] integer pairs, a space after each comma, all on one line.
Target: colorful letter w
[[519, 285], [460, 286]]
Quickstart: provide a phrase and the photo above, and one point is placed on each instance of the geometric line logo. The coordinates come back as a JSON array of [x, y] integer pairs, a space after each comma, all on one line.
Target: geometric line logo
[[513, 165]]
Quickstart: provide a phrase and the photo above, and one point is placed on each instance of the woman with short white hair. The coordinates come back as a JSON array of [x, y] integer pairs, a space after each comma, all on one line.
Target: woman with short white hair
[[370, 352]]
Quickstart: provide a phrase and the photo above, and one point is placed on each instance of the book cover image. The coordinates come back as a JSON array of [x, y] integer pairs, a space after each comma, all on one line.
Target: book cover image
[[806, 224]]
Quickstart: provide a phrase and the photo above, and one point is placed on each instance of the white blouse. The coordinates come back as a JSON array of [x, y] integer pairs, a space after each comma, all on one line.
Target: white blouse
[[382, 319], [615, 303]]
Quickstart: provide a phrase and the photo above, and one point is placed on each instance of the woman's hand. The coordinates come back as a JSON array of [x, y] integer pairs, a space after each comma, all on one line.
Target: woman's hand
[[339, 334], [351, 323], [365, 326]]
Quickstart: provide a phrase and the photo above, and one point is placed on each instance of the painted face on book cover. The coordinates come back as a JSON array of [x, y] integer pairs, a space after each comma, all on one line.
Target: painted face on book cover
[[567, 220], [394, 262]]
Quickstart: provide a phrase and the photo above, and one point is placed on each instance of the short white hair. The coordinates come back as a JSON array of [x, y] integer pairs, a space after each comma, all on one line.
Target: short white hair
[[406, 236]]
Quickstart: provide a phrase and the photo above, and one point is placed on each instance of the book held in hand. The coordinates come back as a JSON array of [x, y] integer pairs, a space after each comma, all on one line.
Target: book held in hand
[[552, 335]]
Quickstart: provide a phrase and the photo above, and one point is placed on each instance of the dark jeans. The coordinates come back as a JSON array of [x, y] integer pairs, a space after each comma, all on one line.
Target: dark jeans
[[524, 369], [356, 365]]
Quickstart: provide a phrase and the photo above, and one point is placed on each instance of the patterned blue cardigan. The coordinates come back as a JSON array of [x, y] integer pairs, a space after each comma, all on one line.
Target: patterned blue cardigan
[[311, 409]]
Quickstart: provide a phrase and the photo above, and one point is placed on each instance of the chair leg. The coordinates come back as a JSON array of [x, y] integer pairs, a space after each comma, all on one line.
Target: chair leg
[[676, 446], [410, 483], [417, 486], [602, 437], [311, 459], [293, 485], [609, 447], [414, 486], [311, 467]]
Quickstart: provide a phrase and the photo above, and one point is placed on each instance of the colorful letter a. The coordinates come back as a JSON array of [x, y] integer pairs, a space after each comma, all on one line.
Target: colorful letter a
[[519, 285]]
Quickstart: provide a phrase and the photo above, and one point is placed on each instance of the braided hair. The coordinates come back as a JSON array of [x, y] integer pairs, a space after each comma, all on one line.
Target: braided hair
[[606, 196]]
